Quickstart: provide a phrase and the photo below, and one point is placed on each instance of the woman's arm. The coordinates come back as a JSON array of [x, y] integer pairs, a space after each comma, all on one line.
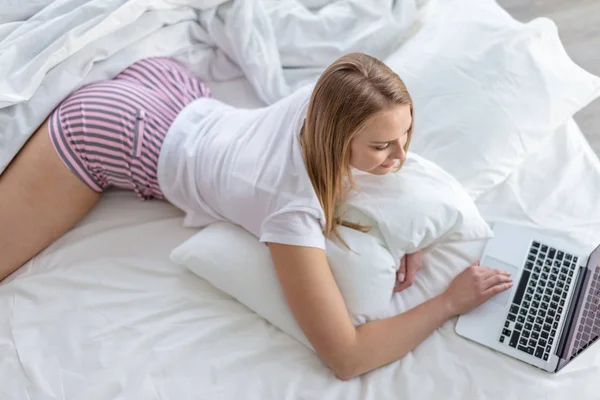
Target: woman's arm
[[319, 308]]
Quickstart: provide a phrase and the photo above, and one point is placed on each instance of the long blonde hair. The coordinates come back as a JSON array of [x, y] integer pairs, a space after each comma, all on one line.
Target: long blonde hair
[[348, 93]]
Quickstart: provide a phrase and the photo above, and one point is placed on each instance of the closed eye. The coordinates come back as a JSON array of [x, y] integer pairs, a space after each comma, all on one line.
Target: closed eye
[[385, 146]]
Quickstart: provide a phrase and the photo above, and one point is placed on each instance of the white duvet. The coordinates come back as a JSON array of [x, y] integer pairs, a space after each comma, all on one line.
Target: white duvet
[[48, 52]]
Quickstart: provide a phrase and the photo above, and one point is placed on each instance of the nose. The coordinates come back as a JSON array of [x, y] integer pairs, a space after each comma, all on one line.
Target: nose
[[399, 152]]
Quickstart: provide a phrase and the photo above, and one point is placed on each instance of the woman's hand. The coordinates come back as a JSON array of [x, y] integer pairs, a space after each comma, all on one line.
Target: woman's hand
[[474, 286], [409, 265]]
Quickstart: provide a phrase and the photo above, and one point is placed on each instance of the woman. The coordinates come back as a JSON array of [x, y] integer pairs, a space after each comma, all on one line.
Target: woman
[[281, 172]]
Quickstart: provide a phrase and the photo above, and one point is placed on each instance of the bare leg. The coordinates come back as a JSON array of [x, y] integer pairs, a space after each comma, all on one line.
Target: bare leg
[[40, 200]]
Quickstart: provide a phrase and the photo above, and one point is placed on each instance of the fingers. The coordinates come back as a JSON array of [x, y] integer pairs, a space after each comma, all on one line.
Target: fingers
[[490, 272], [411, 272], [496, 279], [401, 274], [401, 286], [408, 281], [499, 288], [487, 272], [407, 271]]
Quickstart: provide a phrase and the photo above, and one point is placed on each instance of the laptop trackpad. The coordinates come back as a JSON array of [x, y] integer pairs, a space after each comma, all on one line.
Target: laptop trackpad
[[491, 262]]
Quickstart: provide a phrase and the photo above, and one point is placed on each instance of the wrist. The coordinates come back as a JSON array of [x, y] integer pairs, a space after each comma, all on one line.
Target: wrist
[[446, 305]]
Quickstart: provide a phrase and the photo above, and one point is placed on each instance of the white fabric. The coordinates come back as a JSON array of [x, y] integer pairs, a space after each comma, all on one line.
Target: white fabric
[[103, 314], [513, 84], [418, 207], [277, 45], [556, 187], [365, 276], [245, 166]]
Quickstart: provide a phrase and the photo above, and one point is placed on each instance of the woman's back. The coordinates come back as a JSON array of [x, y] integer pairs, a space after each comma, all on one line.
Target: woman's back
[[243, 166]]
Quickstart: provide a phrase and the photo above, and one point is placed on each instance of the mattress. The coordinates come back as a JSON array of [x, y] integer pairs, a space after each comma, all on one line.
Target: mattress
[[104, 314]]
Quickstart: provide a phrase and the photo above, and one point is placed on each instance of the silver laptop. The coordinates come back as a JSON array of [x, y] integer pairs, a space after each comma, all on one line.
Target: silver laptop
[[551, 313]]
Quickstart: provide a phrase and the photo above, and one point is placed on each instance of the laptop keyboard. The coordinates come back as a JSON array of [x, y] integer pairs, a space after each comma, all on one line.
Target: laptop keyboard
[[589, 330], [539, 300]]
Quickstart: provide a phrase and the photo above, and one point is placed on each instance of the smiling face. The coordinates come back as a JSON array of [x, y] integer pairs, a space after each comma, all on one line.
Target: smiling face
[[381, 142], [357, 118]]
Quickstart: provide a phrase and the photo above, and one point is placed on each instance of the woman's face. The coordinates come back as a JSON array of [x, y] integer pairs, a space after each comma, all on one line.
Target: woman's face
[[381, 143]]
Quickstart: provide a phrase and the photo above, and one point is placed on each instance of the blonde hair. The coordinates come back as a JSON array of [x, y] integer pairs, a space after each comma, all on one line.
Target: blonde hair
[[348, 93]]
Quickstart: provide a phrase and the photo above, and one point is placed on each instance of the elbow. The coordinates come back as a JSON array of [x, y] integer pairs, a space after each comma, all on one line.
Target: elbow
[[345, 374], [345, 366], [349, 365]]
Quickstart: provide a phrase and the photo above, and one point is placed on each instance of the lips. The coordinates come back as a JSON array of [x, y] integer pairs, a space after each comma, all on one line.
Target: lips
[[390, 165]]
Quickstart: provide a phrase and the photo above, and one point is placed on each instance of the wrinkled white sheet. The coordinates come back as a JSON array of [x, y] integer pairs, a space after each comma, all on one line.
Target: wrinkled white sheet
[[48, 52], [103, 314]]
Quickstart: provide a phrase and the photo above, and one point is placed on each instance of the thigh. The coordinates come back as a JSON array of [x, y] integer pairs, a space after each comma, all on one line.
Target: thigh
[[40, 200]]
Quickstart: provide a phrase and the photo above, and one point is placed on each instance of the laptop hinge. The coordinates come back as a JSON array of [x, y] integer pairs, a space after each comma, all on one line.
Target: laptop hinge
[[560, 349]]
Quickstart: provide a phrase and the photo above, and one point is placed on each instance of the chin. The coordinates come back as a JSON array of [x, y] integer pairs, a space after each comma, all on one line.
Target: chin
[[379, 170]]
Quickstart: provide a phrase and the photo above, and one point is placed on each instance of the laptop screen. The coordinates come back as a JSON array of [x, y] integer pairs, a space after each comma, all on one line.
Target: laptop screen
[[585, 329]]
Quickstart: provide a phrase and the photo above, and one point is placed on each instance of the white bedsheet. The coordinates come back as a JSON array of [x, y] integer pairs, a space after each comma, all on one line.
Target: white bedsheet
[[103, 314]]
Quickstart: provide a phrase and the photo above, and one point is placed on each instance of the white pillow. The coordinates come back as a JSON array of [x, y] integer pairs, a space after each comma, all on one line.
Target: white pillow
[[234, 261], [409, 210], [487, 89], [415, 207]]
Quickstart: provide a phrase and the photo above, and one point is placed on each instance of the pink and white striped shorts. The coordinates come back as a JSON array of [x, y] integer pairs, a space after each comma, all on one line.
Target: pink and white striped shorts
[[109, 133]]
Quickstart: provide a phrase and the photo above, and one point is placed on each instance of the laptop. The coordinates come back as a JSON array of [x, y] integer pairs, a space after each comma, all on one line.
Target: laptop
[[551, 314]]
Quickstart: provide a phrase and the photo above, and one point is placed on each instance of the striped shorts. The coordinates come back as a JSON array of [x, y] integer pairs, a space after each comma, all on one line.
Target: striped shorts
[[109, 133]]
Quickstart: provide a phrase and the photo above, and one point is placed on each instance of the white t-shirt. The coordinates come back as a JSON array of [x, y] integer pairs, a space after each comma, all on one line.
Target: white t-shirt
[[244, 166]]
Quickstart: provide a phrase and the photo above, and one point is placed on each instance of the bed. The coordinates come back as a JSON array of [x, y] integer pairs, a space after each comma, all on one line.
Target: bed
[[103, 313]]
